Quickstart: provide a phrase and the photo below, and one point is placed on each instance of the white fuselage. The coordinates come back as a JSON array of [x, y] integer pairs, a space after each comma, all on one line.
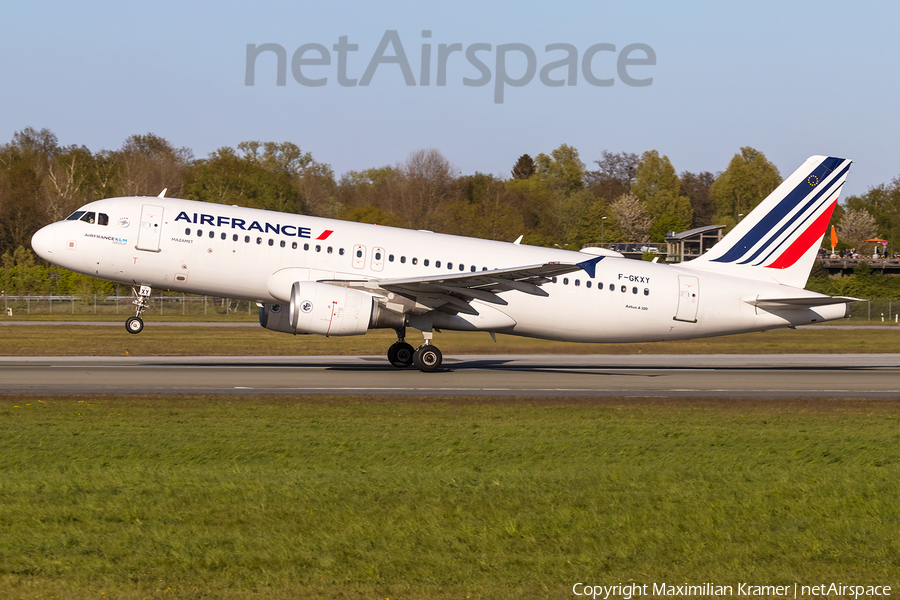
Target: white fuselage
[[203, 248]]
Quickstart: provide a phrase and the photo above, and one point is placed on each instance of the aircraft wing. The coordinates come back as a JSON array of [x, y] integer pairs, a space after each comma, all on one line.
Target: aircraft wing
[[453, 292], [801, 302]]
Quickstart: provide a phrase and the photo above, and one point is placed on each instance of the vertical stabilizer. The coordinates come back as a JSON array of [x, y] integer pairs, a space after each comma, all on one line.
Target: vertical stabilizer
[[778, 241]]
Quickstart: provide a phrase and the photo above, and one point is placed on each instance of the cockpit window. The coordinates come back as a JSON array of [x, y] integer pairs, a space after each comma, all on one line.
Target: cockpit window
[[75, 215], [102, 219], [89, 217]]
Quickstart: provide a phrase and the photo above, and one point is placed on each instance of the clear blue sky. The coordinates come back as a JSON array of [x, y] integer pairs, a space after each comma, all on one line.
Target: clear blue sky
[[791, 79]]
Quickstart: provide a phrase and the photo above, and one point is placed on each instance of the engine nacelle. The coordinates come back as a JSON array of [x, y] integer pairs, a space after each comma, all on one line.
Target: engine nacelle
[[327, 310]]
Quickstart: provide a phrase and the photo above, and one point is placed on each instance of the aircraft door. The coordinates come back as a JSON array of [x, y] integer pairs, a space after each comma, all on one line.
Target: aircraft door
[[150, 229], [359, 256], [377, 259], [688, 298]]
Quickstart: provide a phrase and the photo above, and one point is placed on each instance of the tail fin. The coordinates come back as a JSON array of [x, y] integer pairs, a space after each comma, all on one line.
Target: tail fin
[[779, 239]]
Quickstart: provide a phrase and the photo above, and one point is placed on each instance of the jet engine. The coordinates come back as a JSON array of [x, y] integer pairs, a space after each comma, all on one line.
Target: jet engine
[[327, 310]]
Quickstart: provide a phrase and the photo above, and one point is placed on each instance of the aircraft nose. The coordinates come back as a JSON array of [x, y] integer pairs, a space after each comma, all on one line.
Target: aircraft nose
[[42, 242]]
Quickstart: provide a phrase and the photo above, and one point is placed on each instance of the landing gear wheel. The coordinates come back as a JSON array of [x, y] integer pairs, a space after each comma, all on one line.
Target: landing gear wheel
[[134, 325], [427, 358], [400, 355]]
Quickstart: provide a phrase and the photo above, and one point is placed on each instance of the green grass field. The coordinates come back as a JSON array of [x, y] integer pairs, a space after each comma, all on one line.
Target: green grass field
[[205, 497], [85, 340]]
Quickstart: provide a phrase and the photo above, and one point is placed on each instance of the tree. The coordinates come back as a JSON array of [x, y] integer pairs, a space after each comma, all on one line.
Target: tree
[[632, 217], [614, 174], [149, 164], [657, 186], [562, 171], [856, 227], [696, 187], [227, 177], [524, 167], [749, 178]]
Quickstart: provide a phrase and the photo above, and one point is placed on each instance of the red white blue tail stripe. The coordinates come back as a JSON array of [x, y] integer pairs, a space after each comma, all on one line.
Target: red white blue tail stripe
[[784, 231]]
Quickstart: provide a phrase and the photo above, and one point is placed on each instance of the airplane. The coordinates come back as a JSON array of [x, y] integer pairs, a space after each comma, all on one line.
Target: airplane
[[311, 275]]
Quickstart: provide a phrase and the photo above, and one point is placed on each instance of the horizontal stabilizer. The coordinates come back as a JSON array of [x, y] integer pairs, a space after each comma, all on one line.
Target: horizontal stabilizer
[[802, 302]]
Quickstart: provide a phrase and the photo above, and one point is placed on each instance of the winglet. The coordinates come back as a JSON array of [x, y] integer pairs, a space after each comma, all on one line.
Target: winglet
[[519, 240], [590, 265], [162, 194]]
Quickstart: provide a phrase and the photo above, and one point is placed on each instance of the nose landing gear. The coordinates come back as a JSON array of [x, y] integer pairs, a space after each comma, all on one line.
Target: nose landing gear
[[142, 300]]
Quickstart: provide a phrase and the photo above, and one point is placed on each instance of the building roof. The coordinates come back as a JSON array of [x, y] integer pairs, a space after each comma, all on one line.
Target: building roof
[[677, 237]]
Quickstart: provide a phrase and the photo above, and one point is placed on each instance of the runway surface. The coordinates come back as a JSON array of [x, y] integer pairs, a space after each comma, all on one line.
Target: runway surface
[[728, 376]]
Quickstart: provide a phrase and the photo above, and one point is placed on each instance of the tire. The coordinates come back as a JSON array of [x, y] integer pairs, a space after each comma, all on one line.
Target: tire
[[134, 325], [401, 355], [427, 358]]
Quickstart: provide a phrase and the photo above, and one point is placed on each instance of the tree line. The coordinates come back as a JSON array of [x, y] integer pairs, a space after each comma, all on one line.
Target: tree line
[[553, 199]]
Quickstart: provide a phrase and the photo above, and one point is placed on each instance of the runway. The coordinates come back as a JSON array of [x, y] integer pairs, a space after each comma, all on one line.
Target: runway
[[721, 376]]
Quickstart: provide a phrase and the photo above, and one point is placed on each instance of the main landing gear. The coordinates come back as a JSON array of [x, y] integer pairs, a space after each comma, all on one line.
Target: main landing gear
[[142, 300], [426, 357]]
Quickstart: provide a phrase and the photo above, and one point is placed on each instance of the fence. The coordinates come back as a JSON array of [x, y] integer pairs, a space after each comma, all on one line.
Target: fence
[[162, 305], [876, 309]]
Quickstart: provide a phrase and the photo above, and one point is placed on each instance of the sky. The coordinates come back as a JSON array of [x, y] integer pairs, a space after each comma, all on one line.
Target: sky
[[791, 79]]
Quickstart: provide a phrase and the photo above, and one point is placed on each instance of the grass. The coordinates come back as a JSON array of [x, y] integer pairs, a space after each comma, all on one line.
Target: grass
[[206, 497], [65, 340]]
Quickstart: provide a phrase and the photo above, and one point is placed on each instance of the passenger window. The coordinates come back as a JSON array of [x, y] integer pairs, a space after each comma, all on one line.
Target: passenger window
[[646, 291], [187, 231], [224, 235], [293, 245], [212, 234], [415, 261], [258, 241], [587, 284], [271, 242], [102, 219], [462, 267], [330, 250], [612, 287], [199, 233], [402, 259], [450, 265], [378, 257], [306, 246], [425, 262], [553, 279], [341, 251], [599, 285], [318, 248], [634, 290], [246, 239], [473, 268], [234, 238], [359, 254], [624, 288], [565, 281], [390, 258], [437, 264], [577, 283], [282, 244]]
